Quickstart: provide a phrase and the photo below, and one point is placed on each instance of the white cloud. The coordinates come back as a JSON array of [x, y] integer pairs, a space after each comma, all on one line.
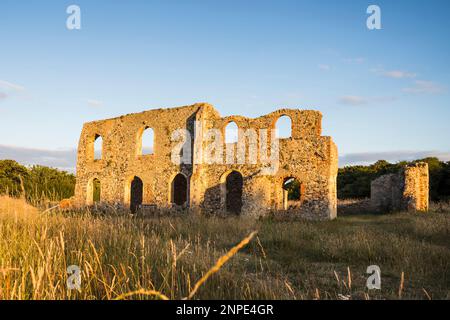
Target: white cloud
[[324, 67], [95, 103], [61, 159], [359, 101], [366, 158], [394, 74], [383, 99], [427, 87], [10, 86], [397, 74], [353, 100], [358, 60]]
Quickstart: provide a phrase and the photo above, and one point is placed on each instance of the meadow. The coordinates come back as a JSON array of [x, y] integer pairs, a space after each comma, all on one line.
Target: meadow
[[134, 257]]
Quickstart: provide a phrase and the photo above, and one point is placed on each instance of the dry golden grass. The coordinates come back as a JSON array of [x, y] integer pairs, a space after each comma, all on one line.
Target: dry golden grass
[[15, 207], [124, 257]]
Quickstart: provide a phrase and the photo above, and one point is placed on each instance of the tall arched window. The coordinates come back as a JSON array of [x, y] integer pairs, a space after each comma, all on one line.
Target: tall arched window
[[283, 127], [93, 191], [233, 196], [179, 190], [292, 192], [96, 190], [147, 140], [136, 193], [98, 147], [231, 132]]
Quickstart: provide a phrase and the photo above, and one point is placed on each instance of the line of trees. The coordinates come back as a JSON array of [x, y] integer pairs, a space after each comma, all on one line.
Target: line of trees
[[44, 183], [354, 181], [36, 182]]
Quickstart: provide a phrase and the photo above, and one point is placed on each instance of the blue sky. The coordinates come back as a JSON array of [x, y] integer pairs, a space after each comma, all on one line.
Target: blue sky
[[383, 93]]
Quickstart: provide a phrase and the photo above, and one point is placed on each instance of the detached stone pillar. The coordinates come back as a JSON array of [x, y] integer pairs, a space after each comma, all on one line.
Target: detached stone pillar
[[405, 191], [415, 192]]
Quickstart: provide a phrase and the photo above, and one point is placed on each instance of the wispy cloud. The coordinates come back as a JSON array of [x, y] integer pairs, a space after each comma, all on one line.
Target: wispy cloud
[[425, 87], [358, 60], [62, 159], [95, 103], [351, 100], [8, 89], [324, 67], [66, 159], [398, 74], [394, 74], [366, 158], [10, 86]]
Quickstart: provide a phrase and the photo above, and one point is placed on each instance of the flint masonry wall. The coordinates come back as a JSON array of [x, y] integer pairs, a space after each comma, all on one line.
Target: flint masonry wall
[[416, 190], [306, 156], [404, 191]]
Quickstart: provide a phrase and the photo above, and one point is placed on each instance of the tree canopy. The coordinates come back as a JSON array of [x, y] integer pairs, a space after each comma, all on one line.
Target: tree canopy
[[37, 182]]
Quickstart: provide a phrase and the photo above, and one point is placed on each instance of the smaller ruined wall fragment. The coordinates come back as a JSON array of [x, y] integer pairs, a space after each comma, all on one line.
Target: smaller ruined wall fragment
[[406, 190], [415, 192]]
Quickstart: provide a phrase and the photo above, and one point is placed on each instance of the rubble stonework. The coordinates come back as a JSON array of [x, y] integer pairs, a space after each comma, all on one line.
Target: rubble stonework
[[201, 186], [404, 191]]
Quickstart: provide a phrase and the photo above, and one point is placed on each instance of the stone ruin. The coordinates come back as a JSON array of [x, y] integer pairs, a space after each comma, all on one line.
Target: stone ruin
[[178, 172], [406, 190]]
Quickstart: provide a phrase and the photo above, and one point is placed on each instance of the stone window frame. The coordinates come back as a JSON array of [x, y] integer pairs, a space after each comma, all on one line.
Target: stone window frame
[[127, 189], [280, 184], [170, 188], [224, 131], [140, 134], [90, 156], [273, 126], [90, 190], [223, 187]]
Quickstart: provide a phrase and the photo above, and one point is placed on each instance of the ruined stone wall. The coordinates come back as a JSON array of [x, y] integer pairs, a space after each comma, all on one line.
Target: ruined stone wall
[[406, 190], [386, 193], [416, 190], [121, 159], [306, 155]]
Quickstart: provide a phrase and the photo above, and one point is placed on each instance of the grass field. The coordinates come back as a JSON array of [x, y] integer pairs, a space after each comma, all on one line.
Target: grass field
[[120, 254]]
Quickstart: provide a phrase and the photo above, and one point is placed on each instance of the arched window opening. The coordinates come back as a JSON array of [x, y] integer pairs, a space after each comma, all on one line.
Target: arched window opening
[[179, 190], [231, 132], [96, 190], [147, 140], [98, 147], [136, 194], [283, 127], [234, 185], [292, 192]]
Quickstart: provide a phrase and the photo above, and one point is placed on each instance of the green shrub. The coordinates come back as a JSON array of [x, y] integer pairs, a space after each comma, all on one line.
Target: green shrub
[[38, 182]]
